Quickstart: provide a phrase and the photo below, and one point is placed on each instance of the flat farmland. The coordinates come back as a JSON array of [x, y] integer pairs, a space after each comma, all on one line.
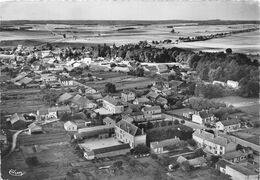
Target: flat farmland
[[21, 101]]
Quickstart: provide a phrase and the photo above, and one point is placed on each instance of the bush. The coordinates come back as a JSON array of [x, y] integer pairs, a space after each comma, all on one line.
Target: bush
[[118, 164], [154, 156], [176, 122], [182, 121], [192, 142], [32, 161]]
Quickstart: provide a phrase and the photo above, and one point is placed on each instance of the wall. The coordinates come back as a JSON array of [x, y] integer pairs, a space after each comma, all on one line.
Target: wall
[[197, 119], [237, 175], [112, 153], [140, 140]]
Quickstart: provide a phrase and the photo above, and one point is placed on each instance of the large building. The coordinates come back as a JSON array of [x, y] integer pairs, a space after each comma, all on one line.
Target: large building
[[129, 133], [216, 145], [228, 125], [112, 105]]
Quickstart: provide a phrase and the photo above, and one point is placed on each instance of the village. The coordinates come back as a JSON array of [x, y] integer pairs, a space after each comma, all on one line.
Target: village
[[100, 117]]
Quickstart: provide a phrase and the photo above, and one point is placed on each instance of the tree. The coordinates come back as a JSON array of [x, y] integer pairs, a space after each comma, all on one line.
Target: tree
[[149, 125], [228, 51], [110, 88], [141, 149], [182, 121], [32, 161], [192, 142], [118, 164], [176, 122]]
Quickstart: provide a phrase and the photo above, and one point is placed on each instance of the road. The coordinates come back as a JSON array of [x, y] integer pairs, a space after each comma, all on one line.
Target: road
[[187, 123], [15, 135]]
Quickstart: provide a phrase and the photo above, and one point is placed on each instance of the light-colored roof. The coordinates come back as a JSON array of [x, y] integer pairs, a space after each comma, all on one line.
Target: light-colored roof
[[25, 80], [64, 97], [210, 137], [164, 143], [181, 159], [111, 100], [151, 108], [242, 169]]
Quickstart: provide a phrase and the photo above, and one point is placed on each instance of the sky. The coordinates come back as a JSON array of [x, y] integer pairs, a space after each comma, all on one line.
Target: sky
[[130, 9]]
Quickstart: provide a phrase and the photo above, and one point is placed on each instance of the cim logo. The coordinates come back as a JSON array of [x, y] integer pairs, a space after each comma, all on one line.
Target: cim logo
[[13, 172]]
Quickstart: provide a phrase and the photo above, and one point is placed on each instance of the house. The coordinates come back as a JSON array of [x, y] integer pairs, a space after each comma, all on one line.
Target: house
[[181, 159], [82, 102], [48, 78], [70, 126], [24, 81], [158, 147], [127, 96], [19, 77], [57, 111], [198, 162], [237, 156], [162, 100], [216, 145], [219, 83], [34, 128], [65, 81], [152, 95], [102, 131], [153, 112], [110, 151], [175, 85], [136, 116], [203, 117], [236, 171], [228, 125], [65, 97], [129, 133], [109, 121], [233, 84], [112, 105], [141, 101]]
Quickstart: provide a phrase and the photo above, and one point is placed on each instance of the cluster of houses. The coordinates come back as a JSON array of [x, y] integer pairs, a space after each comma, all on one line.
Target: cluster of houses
[[229, 83]]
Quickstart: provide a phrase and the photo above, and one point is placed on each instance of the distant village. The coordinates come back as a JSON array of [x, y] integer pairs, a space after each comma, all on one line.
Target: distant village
[[109, 107]]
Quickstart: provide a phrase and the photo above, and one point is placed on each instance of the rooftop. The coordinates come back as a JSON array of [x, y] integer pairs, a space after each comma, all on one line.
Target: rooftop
[[130, 128]]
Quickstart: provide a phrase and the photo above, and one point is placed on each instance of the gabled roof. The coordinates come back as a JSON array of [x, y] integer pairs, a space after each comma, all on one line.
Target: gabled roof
[[130, 128], [211, 137], [111, 100], [25, 80], [64, 97], [15, 117], [151, 108], [152, 94], [230, 122], [142, 100], [175, 83], [242, 169], [59, 108], [235, 154], [164, 143]]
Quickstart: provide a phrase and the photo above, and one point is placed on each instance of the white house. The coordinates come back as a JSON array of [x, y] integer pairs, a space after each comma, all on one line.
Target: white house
[[203, 117], [219, 83], [216, 145], [127, 96], [236, 171], [228, 125], [70, 126], [232, 84], [112, 105]]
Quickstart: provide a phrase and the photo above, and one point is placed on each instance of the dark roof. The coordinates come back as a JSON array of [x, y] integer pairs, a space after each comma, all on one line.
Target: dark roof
[[222, 163], [230, 122], [128, 127], [111, 148]]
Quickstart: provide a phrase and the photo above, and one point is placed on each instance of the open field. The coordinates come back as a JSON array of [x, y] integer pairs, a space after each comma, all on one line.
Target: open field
[[133, 33], [249, 105]]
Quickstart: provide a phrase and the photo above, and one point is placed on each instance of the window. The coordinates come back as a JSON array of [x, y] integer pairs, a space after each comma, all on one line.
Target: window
[[220, 153], [221, 148]]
